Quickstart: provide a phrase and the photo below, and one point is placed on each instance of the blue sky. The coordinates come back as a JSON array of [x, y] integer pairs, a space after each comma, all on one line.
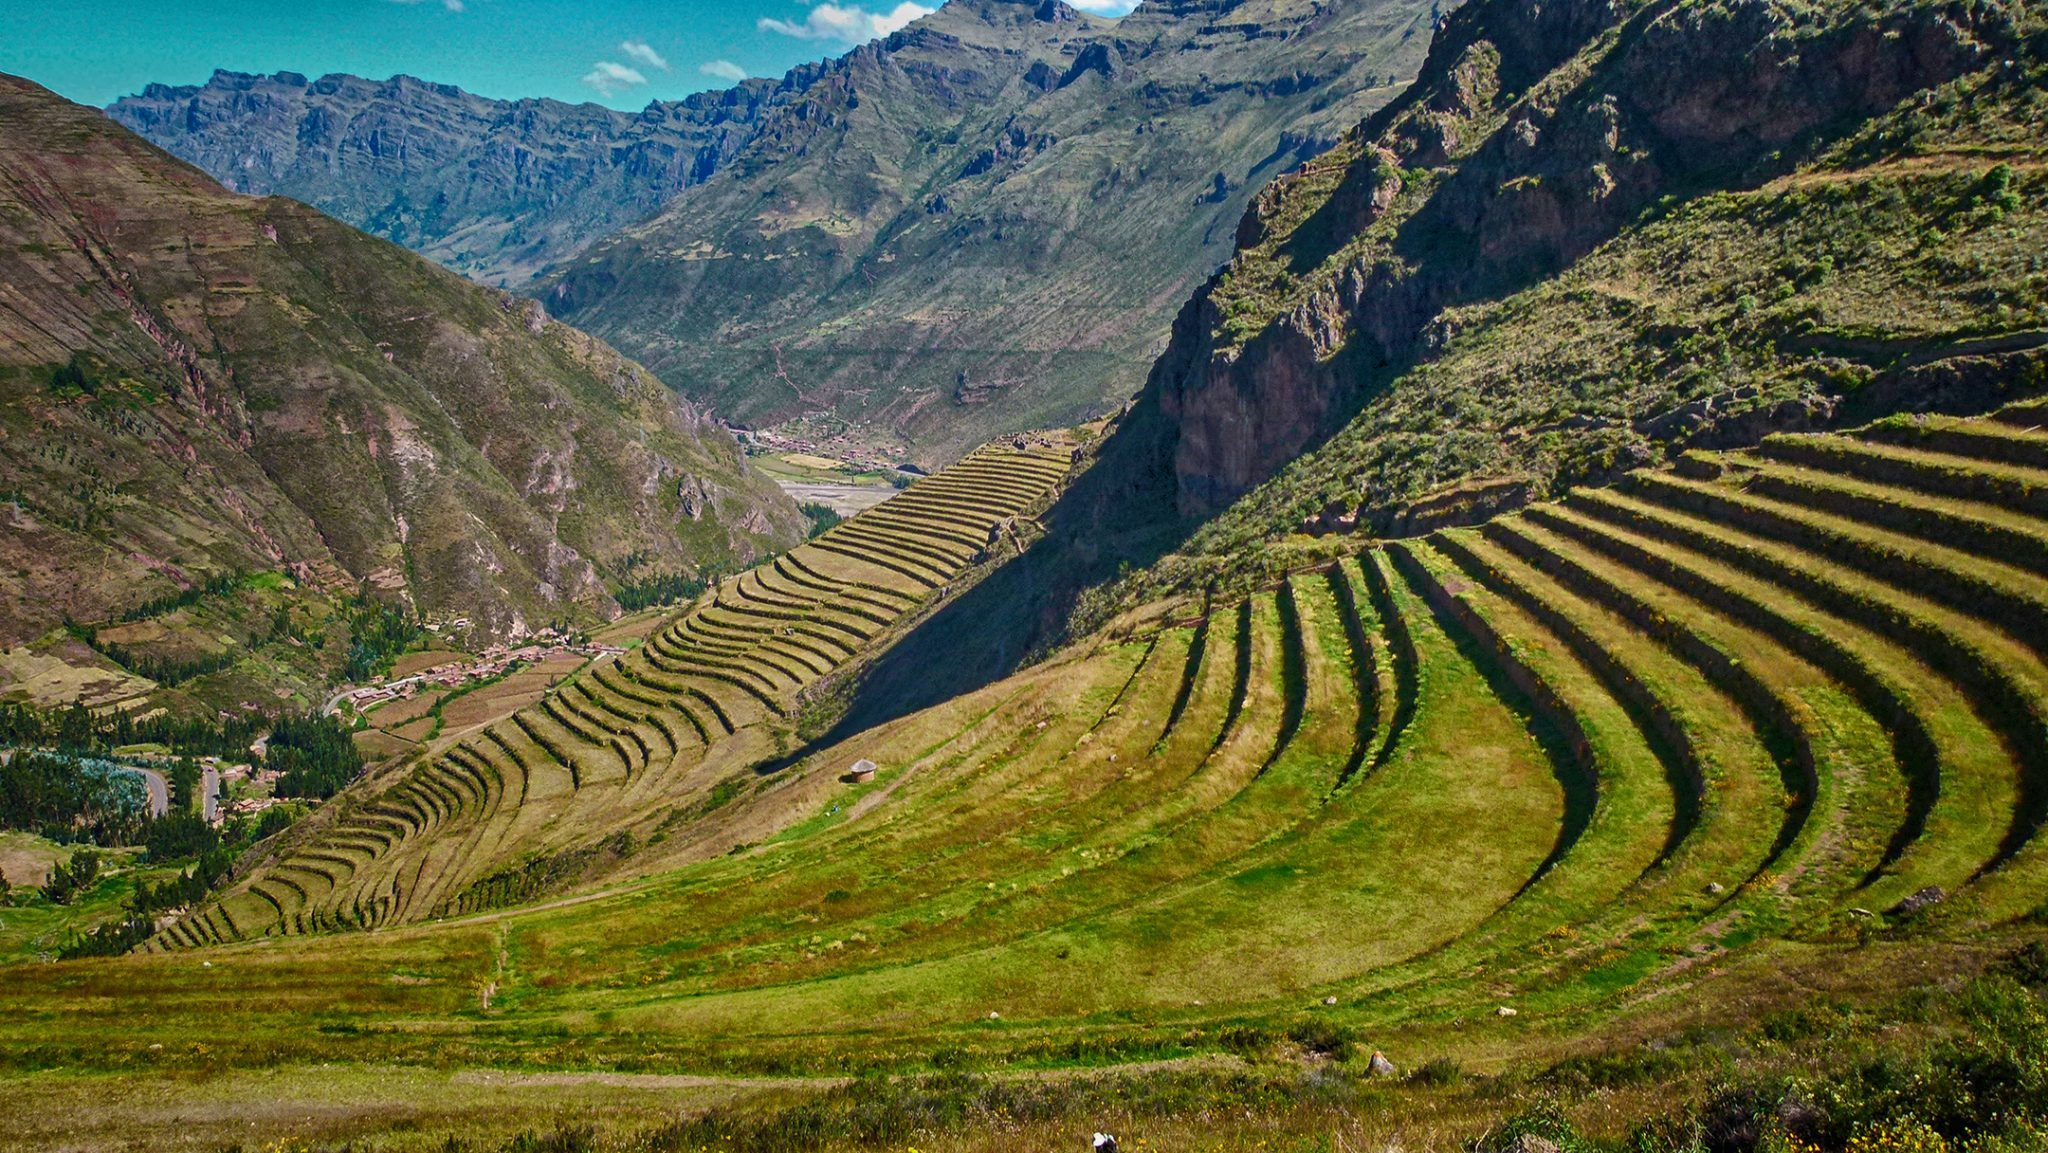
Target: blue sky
[[617, 52]]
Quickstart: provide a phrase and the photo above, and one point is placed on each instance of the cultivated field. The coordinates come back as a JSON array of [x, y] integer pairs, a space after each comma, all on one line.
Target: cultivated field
[[628, 749], [1746, 735]]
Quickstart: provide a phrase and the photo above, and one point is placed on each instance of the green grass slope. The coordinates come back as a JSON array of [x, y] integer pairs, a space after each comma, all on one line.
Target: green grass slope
[[1618, 763], [194, 383]]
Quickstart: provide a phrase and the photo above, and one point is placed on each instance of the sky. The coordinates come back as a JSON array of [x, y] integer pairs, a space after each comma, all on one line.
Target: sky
[[622, 53]]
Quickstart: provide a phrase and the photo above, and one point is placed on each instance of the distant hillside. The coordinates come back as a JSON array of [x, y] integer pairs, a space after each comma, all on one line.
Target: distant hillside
[[980, 224], [194, 383], [495, 189], [983, 222]]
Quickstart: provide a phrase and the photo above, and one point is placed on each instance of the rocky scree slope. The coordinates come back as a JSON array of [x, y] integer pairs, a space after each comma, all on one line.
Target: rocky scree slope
[[495, 189], [1591, 232], [982, 223], [194, 383]]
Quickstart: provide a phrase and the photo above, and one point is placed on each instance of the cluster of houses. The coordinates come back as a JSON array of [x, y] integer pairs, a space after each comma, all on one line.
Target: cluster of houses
[[493, 661], [856, 453], [228, 774]]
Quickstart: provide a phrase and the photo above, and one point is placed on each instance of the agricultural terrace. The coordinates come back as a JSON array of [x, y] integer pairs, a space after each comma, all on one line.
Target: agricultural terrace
[[623, 752], [1795, 694], [1763, 724]]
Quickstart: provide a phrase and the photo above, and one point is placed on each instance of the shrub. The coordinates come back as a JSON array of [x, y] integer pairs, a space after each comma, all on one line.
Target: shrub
[[1245, 1040], [275, 820], [1321, 1035], [1437, 1073], [109, 940], [69, 880], [1586, 1074], [1545, 1121], [73, 377], [822, 519], [2028, 964]]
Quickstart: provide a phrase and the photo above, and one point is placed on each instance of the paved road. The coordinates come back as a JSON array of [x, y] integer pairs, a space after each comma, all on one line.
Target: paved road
[[159, 790], [209, 793]]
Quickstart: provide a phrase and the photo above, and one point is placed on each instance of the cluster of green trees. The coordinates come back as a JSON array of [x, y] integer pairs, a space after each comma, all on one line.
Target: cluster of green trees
[[822, 518], [48, 792], [214, 586], [67, 881], [74, 377], [168, 670], [664, 588], [378, 633], [77, 730], [315, 755], [70, 800]]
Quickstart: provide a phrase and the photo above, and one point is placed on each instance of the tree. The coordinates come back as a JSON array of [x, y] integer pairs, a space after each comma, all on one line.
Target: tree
[[68, 881], [71, 376], [184, 779], [180, 835]]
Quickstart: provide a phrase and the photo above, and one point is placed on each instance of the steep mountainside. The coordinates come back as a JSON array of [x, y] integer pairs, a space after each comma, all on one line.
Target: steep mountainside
[[983, 222], [194, 383], [1594, 232], [980, 224], [1590, 235], [495, 189]]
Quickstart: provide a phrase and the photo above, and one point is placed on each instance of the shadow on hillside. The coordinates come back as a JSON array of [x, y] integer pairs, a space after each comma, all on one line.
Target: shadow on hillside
[[1118, 513]]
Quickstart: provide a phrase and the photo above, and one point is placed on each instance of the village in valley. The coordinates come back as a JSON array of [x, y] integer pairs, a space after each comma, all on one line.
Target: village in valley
[[544, 646]]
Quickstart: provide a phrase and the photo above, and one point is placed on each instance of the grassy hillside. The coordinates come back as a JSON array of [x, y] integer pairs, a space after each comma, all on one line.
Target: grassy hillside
[[197, 385], [1678, 786], [1623, 727]]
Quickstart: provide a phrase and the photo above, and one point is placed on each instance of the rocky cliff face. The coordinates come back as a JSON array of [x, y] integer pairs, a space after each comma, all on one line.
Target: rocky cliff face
[[495, 189], [1535, 133], [195, 383]]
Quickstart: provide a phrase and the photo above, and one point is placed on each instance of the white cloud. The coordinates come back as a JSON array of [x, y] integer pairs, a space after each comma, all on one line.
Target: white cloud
[[611, 78], [644, 52], [846, 23], [1106, 7], [723, 70]]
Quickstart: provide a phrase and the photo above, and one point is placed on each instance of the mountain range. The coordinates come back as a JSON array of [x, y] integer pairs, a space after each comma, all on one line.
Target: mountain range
[[980, 224]]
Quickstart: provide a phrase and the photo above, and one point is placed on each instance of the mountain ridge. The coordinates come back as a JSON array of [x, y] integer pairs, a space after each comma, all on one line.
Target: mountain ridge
[[977, 225], [355, 147]]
